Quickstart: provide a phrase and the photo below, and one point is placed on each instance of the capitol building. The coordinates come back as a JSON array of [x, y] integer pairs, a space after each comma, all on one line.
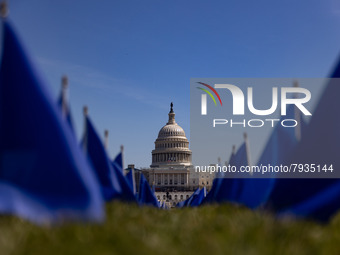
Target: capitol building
[[171, 172]]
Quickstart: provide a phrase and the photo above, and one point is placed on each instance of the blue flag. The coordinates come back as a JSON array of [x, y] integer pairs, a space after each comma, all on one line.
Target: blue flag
[[229, 189], [219, 182], [187, 202], [145, 195], [130, 178], [321, 206], [237, 184], [197, 200], [113, 183], [117, 163], [279, 147], [319, 145], [44, 176]]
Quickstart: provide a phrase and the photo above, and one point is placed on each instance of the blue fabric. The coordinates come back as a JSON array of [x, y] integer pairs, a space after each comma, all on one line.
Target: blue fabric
[[112, 182], [279, 147], [320, 144], [117, 163], [229, 189], [131, 180], [197, 200], [321, 206], [128, 192], [187, 202], [145, 195], [44, 176], [219, 183]]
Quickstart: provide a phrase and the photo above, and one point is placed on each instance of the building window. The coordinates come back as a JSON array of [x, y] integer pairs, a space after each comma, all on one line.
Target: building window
[[187, 196], [159, 197], [181, 197], [175, 197], [164, 197]]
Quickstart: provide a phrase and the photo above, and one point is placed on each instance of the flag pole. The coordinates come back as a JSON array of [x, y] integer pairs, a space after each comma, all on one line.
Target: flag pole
[[219, 160], [122, 150], [106, 139], [64, 87], [85, 112], [4, 9]]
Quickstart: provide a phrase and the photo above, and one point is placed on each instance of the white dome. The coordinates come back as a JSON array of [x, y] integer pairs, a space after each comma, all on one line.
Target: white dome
[[171, 130]]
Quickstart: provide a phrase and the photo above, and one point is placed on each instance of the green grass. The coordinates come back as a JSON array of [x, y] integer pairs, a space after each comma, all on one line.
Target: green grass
[[128, 229]]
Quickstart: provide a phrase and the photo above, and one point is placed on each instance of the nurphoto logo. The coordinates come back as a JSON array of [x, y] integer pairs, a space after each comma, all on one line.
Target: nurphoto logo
[[300, 97]]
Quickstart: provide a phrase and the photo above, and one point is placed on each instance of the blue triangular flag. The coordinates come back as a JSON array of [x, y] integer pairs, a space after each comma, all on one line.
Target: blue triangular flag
[[44, 176], [187, 202], [117, 163], [130, 177], [219, 182], [229, 189], [197, 200], [145, 195], [113, 183], [319, 145], [279, 147]]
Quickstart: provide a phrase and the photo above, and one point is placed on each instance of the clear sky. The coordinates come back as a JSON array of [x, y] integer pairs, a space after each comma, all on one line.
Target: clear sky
[[127, 60]]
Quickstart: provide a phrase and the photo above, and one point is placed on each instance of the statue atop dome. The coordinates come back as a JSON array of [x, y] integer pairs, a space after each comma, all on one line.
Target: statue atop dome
[[171, 107]]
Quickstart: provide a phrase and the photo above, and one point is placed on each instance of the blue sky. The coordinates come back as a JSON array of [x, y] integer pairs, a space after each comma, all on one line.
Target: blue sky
[[127, 60]]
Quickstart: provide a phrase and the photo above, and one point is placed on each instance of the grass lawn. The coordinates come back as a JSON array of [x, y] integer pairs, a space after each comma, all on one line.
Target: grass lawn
[[215, 229]]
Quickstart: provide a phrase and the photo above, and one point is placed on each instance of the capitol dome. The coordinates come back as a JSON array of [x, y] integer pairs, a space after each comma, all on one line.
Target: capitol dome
[[171, 145], [170, 130]]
